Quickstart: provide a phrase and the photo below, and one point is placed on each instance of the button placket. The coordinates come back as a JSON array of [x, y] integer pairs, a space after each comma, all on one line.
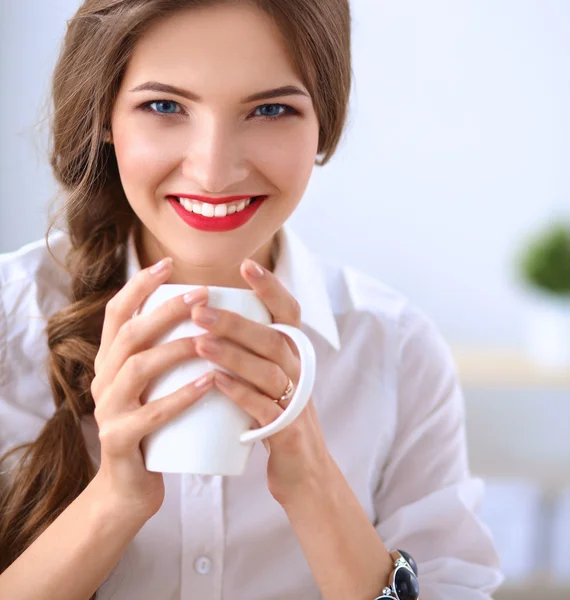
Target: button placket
[[202, 537]]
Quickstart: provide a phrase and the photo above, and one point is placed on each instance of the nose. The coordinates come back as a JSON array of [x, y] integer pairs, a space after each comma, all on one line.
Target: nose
[[214, 159]]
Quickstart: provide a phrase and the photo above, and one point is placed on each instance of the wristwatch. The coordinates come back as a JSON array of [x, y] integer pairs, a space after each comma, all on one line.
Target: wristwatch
[[403, 580]]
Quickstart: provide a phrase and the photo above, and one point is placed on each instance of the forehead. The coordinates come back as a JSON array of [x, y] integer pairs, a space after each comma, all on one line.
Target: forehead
[[235, 44]]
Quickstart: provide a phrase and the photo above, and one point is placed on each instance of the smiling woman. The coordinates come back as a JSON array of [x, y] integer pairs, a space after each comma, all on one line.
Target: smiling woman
[[184, 134], [128, 136]]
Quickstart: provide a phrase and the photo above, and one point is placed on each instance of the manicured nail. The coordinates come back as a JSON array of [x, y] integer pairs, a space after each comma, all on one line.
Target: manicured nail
[[205, 316], [204, 381], [161, 266], [224, 379], [192, 297], [253, 268]]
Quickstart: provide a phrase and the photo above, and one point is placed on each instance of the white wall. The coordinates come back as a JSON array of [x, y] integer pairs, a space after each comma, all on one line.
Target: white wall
[[30, 32], [457, 145]]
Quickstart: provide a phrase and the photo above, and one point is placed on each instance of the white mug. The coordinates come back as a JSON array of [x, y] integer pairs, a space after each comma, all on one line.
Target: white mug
[[213, 436]]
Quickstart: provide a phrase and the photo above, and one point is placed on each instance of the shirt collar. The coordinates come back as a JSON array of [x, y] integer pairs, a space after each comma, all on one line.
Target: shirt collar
[[297, 269]]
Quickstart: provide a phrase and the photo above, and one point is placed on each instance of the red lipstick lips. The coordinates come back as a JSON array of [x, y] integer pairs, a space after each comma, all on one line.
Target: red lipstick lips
[[217, 224]]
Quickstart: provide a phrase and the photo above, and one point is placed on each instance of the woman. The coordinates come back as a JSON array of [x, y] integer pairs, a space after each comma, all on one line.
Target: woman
[[170, 154]]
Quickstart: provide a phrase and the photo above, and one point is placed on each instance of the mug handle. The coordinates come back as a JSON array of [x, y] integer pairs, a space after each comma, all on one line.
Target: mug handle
[[304, 387]]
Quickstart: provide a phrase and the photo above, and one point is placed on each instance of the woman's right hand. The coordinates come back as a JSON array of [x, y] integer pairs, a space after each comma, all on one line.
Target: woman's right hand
[[124, 366]]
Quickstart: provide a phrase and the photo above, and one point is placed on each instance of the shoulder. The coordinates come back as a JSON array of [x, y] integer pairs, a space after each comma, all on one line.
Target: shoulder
[[388, 332], [34, 260], [34, 268], [359, 298], [33, 285]]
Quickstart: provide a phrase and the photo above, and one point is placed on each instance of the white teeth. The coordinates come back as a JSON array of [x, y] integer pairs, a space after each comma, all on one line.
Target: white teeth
[[207, 210], [187, 204], [221, 210], [213, 210]]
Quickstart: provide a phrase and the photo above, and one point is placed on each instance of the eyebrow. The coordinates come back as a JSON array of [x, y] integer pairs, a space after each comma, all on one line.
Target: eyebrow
[[155, 86]]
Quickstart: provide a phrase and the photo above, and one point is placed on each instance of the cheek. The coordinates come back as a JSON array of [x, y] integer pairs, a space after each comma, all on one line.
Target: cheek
[[288, 157], [144, 160]]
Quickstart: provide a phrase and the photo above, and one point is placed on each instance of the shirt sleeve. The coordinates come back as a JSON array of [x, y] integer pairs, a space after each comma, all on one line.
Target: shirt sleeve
[[427, 501]]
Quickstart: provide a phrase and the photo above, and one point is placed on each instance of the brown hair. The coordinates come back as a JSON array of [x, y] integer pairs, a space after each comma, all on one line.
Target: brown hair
[[99, 40]]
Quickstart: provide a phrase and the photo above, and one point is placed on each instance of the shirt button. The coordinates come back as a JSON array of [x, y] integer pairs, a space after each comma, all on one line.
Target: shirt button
[[202, 565]]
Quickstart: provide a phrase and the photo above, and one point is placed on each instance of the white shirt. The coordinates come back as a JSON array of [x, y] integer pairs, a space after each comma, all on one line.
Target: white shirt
[[390, 406]]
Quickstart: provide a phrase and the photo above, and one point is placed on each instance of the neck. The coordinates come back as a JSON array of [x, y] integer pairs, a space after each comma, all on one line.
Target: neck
[[149, 252]]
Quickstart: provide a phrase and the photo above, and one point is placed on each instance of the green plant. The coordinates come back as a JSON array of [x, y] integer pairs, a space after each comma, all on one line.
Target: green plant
[[544, 262]]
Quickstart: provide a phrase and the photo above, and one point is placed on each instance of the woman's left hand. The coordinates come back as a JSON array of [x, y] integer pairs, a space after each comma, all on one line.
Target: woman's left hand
[[265, 359]]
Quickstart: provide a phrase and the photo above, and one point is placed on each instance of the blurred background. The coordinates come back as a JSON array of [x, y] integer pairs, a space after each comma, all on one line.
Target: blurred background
[[452, 185]]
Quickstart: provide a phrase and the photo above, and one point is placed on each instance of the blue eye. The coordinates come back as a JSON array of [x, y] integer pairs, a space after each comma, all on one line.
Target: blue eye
[[273, 114], [170, 109], [168, 103]]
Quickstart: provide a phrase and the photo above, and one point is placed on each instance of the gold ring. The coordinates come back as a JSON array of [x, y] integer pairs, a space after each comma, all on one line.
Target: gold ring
[[286, 394]]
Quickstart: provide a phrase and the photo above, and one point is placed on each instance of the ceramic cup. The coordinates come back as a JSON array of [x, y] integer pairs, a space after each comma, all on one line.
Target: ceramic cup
[[213, 436]]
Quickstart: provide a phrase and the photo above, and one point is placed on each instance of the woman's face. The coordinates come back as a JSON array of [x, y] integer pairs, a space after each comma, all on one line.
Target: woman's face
[[216, 143]]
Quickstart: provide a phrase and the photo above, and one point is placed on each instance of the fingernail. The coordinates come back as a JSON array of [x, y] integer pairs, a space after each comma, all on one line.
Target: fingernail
[[192, 297], [205, 316], [253, 268], [160, 266], [224, 379], [204, 381]]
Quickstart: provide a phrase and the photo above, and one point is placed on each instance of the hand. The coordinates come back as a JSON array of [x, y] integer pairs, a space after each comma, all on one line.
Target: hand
[[263, 360], [124, 365]]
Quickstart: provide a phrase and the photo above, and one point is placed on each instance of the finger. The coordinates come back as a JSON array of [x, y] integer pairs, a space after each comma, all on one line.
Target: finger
[[139, 369], [280, 303], [268, 377], [256, 404], [140, 332], [124, 433], [258, 338], [127, 300]]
